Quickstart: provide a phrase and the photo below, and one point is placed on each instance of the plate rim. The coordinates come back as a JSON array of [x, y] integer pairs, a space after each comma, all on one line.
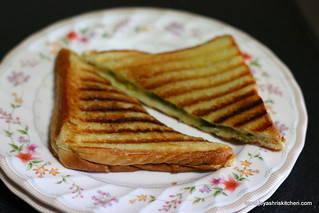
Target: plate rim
[[238, 204]]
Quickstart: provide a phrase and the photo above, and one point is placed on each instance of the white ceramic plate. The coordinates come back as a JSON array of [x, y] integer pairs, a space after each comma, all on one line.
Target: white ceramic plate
[[26, 91]]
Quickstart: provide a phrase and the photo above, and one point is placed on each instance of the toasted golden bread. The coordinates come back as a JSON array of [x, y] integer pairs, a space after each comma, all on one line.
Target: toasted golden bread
[[208, 86], [95, 127]]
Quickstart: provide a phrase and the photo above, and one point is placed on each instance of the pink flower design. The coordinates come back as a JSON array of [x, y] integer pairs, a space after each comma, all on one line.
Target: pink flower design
[[18, 78], [175, 28], [253, 71], [205, 189], [31, 148], [21, 139], [104, 199], [172, 203], [29, 63], [84, 39], [281, 127], [271, 89], [217, 181]]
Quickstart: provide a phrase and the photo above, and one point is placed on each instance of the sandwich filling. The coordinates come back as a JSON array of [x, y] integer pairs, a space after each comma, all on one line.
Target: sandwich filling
[[154, 101]]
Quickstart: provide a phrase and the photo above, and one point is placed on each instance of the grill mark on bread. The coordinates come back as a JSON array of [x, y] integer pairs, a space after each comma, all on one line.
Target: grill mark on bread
[[252, 118], [108, 98], [151, 70], [159, 130], [87, 70], [144, 59], [191, 102], [142, 140], [265, 125], [203, 112], [123, 120], [111, 109], [231, 61], [241, 109], [94, 80], [97, 88], [185, 90], [91, 84], [180, 79]]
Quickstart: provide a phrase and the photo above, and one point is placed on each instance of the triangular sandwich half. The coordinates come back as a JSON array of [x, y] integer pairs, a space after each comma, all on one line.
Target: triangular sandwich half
[[207, 86], [95, 127]]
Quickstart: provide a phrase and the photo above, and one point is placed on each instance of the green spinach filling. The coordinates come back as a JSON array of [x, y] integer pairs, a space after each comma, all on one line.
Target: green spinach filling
[[154, 101]]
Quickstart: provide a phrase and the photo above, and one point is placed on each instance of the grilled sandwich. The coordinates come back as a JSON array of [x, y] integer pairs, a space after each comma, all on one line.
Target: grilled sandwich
[[95, 127], [208, 86]]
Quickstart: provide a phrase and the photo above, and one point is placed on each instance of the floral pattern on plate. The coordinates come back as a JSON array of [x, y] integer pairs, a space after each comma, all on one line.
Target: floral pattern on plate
[[27, 90]]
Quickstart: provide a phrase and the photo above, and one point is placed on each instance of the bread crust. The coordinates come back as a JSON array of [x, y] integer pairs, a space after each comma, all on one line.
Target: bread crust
[[72, 160]]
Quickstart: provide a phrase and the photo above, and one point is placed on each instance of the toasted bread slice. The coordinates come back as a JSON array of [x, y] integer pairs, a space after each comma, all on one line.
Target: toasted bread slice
[[208, 86], [95, 127]]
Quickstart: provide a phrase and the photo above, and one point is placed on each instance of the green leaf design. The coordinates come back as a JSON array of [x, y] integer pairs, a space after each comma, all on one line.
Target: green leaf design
[[197, 199], [106, 35], [192, 189], [217, 193], [242, 179], [84, 30], [14, 147], [269, 101], [152, 198], [235, 176], [44, 57], [137, 29], [15, 106], [59, 182], [29, 166], [22, 131], [65, 41], [8, 134], [265, 74], [255, 63], [20, 148], [218, 188]]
